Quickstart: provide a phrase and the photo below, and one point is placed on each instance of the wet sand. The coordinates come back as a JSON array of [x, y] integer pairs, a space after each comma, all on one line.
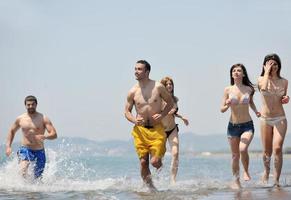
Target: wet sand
[[259, 193]]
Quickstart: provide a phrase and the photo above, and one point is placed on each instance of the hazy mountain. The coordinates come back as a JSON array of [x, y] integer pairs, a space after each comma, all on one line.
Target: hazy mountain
[[189, 143]]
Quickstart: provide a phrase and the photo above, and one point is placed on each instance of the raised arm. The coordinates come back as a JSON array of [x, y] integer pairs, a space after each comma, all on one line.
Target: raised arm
[[11, 133], [263, 81]]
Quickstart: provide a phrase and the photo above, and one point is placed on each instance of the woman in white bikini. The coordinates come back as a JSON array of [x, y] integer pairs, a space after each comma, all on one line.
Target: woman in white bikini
[[171, 128], [273, 90], [240, 131]]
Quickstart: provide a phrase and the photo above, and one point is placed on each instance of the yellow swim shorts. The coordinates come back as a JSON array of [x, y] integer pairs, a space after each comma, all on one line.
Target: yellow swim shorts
[[149, 140]]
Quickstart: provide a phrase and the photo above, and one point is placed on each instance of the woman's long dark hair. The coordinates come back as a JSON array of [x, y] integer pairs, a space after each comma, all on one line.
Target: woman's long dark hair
[[246, 81], [275, 57]]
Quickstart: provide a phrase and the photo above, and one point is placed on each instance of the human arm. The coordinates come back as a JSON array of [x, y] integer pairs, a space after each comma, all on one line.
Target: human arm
[[128, 110], [51, 131], [263, 81], [11, 133], [225, 101], [253, 106], [167, 98], [174, 109], [185, 120], [285, 98]]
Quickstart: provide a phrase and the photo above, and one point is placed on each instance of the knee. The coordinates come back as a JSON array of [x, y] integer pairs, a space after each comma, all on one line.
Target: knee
[[156, 162], [243, 151], [277, 150], [235, 157], [267, 153], [175, 155], [144, 163]]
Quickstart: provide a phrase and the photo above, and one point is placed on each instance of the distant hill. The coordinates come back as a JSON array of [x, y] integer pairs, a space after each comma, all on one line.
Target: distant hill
[[189, 143]]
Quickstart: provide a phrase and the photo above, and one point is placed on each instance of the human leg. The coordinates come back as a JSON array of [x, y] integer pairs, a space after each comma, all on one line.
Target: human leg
[[174, 145], [267, 141], [279, 132], [24, 164], [234, 146], [40, 160], [145, 172], [245, 141]]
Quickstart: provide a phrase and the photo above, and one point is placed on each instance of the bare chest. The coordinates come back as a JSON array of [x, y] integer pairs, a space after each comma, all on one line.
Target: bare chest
[[31, 125], [147, 97]]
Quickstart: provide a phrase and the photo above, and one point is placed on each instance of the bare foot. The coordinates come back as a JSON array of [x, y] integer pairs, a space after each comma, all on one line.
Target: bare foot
[[173, 181], [247, 176], [276, 184], [265, 177], [235, 185], [152, 188], [149, 183]]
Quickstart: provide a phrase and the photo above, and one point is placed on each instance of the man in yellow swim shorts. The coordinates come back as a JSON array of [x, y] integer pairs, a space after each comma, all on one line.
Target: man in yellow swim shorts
[[147, 97]]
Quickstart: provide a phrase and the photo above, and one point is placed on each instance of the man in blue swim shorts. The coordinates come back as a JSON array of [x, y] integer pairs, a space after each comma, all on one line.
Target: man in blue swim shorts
[[34, 126]]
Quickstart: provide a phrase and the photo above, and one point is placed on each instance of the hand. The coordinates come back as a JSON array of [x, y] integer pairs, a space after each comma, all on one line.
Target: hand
[[172, 111], [258, 114], [186, 122], [285, 99], [8, 151], [139, 121], [157, 117], [268, 67], [228, 102]]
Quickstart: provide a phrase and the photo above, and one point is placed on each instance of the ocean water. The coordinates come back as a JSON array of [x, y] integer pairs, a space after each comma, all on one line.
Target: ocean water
[[88, 170]]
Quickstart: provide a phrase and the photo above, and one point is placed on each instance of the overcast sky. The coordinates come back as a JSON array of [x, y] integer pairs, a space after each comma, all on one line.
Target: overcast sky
[[77, 57]]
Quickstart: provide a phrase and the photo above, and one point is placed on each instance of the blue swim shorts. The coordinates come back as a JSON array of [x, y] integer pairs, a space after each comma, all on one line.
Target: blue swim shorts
[[236, 130], [36, 156]]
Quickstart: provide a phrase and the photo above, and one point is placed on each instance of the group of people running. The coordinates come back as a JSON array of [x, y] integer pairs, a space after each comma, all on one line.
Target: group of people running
[[239, 97], [156, 109], [154, 122]]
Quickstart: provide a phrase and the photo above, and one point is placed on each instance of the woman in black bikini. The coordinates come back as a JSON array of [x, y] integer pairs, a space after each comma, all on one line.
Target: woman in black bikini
[[171, 128]]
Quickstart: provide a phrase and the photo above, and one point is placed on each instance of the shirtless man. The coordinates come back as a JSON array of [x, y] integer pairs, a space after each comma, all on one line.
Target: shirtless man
[[147, 97], [33, 125]]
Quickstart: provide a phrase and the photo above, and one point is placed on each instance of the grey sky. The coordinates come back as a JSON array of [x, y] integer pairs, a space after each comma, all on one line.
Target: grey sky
[[78, 57]]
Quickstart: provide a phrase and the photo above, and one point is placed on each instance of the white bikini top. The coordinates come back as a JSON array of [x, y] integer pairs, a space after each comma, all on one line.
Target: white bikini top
[[273, 91], [245, 99]]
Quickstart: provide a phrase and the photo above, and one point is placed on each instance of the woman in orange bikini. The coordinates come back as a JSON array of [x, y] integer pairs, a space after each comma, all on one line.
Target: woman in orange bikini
[[171, 128], [239, 97], [273, 90]]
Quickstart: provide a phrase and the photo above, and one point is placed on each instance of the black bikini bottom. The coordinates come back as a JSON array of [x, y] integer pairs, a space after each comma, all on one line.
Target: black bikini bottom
[[170, 131]]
